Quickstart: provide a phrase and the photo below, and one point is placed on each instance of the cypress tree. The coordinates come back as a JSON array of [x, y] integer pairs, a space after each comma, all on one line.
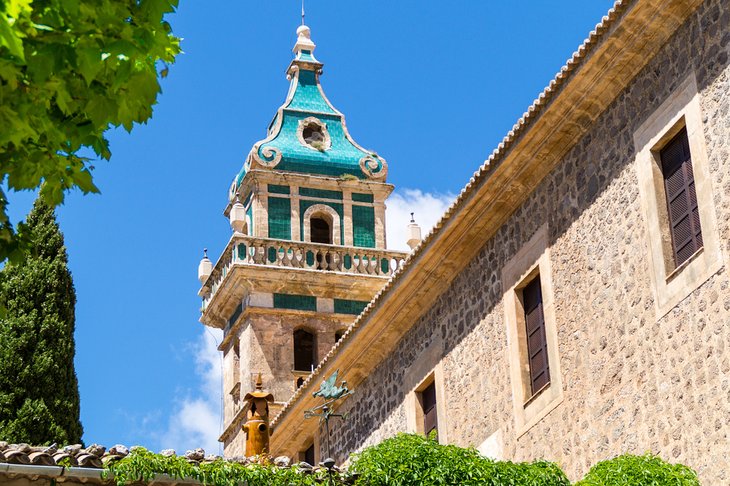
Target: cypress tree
[[39, 397]]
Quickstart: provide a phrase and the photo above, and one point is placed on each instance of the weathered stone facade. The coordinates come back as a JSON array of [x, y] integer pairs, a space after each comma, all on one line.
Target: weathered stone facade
[[264, 337], [633, 379]]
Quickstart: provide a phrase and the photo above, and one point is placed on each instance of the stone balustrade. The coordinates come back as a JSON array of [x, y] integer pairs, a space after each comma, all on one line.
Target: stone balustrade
[[248, 250]]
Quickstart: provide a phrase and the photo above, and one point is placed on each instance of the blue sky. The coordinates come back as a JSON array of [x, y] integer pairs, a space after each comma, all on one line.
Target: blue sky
[[431, 86]]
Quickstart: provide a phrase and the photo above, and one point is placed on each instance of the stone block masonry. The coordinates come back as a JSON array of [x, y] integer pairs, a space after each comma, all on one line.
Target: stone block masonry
[[633, 381]]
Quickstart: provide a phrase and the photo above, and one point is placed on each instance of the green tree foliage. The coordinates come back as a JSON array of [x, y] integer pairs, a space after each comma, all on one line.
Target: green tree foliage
[[647, 470], [408, 459], [403, 460], [69, 70], [143, 465], [39, 398]]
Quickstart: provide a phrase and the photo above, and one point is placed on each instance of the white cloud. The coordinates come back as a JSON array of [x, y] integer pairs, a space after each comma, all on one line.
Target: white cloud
[[196, 419], [428, 208]]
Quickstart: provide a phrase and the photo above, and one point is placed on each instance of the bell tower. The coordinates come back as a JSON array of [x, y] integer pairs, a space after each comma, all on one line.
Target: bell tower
[[308, 249]]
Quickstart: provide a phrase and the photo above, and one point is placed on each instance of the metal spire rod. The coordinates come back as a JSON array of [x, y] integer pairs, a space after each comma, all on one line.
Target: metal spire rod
[[302, 12]]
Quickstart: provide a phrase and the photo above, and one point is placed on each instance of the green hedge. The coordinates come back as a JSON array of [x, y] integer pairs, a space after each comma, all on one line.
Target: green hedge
[[142, 465], [644, 470], [408, 459]]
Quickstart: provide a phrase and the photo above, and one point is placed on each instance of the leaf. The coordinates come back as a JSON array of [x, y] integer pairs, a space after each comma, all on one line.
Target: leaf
[[89, 63], [70, 6], [10, 39], [15, 8], [84, 181], [63, 98], [101, 110], [10, 73]]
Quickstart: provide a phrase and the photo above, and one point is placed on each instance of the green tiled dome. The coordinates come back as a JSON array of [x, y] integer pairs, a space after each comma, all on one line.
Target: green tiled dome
[[333, 153]]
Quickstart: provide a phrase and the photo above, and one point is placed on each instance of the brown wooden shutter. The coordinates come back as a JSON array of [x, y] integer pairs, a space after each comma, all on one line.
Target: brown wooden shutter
[[428, 400], [537, 351], [679, 187]]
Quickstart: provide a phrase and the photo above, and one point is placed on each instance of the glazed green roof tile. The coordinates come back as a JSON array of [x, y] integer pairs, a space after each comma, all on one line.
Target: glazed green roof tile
[[285, 149], [308, 96]]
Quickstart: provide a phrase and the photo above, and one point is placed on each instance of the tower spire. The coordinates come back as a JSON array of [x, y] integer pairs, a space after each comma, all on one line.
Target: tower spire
[[302, 12]]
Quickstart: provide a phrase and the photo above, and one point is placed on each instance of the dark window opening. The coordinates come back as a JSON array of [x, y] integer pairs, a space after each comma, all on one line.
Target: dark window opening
[[320, 231], [300, 382], [679, 188], [308, 455], [304, 350], [428, 404], [537, 352], [338, 335]]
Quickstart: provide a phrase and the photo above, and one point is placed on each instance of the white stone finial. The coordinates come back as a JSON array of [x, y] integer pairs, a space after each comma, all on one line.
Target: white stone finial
[[205, 268], [414, 233], [304, 40], [237, 217]]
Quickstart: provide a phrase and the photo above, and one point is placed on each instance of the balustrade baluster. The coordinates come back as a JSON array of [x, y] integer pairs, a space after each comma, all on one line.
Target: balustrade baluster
[[258, 256], [296, 257], [337, 261], [269, 252]]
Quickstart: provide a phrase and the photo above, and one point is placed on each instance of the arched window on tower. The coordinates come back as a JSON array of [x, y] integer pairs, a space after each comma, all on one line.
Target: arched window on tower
[[304, 350], [321, 230]]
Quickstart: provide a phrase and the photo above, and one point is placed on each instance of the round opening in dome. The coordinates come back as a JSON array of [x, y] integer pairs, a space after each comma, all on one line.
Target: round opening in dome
[[313, 134]]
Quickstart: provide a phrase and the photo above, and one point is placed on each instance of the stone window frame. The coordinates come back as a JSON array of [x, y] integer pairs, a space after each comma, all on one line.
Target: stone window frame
[[672, 284], [426, 369], [531, 260], [330, 214]]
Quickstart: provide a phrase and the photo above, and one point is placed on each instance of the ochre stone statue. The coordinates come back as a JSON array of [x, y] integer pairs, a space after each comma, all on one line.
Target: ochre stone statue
[[257, 423]]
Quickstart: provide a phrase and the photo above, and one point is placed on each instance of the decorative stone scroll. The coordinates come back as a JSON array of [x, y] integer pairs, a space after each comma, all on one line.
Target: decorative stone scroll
[[374, 167], [268, 157]]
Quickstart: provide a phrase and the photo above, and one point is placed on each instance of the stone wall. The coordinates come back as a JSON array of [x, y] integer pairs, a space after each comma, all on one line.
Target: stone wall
[[632, 380]]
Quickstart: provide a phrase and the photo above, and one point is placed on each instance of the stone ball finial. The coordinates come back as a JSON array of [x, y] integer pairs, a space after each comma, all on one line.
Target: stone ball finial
[[304, 40], [304, 31]]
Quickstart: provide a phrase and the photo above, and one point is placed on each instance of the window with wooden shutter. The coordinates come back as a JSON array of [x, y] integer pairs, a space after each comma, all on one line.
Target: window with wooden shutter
[[679, 187], [537, 351], [304, 350], [428, 404]]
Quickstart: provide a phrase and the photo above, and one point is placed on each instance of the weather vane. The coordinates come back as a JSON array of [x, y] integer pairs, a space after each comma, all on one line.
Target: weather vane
[[330, 393]]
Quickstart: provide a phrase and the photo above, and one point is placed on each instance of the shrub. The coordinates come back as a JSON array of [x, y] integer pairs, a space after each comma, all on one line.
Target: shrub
[[408, 459], [141, 466], [646, 470]]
